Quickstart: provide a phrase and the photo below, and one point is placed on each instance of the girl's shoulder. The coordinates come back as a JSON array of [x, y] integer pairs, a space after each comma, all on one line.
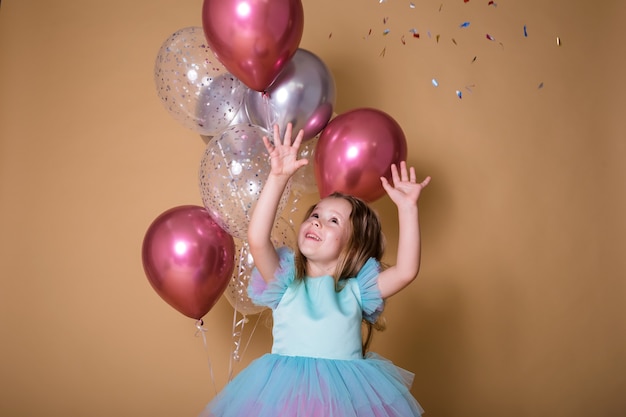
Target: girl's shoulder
[[270, 293], [372, 302]]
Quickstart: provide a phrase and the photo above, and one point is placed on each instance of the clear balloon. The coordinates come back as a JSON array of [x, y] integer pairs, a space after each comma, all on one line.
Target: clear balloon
[[283, 234], [355, 150], [240, 118], [303, 95], [303, 181], [232, 174], [254, 39], [188, 259], [194, 87]]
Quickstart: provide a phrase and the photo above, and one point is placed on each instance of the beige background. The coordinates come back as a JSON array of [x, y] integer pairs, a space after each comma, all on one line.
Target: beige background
[[519, 308]]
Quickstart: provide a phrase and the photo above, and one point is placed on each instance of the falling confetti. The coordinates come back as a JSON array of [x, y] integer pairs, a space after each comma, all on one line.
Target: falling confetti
[[459, 94], [434, 82], [540, 86], [474, 59], [525, 32], [437, 37], [412, 5], [382, 53], [492, 3], [558, 41], [330, 35], [454, 41], [414, 32], [402, 40], [464, 24], [385, 32], [491, 38]]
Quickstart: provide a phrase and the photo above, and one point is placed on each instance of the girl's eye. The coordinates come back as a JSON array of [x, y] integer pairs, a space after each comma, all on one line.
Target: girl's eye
[[334, 220], [315, 215]]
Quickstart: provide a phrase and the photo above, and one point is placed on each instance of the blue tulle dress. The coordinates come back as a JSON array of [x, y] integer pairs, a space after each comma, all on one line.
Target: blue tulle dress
[[316, 368]]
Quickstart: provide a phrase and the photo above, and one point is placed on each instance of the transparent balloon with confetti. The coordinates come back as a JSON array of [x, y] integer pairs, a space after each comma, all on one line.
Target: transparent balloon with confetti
[[194, 87], [233, 171]]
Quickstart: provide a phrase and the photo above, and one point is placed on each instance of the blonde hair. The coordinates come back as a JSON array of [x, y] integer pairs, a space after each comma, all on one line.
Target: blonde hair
[[366, 241]]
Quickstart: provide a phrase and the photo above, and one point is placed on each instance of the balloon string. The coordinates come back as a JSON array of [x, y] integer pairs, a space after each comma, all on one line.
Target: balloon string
[[237, 332], [236, 355], [201, 331]]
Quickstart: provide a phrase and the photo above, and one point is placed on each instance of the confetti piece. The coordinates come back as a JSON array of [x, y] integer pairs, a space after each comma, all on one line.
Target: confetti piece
[[491, 38], [385, 20], [402, 40], [330, 35], [540, 86], [525, 32], [469, 87], [465, 1], [453, 41], [382, 53], [492, 3], [464, 24], [415, 33], [441, 6], [459, 94], [558, 41], [435, 83], [474, 59], [437, 37], [412, 5], [385, 32]]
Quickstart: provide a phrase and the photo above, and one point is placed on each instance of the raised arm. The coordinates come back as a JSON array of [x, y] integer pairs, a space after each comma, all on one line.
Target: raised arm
[[284, 163], [405, 193]]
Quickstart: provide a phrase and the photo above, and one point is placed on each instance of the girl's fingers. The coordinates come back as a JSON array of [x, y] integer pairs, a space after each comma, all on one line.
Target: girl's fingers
[[394, 174], [298, 140], [413, 177], [287, 137]]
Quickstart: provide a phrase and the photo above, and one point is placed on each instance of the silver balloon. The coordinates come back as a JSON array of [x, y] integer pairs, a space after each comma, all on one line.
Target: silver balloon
[[303, 94], [194, 87], [233, 171]]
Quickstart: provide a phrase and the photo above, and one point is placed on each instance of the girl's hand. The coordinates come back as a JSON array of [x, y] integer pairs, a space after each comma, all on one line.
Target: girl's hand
[[284, 154], [405, 190]]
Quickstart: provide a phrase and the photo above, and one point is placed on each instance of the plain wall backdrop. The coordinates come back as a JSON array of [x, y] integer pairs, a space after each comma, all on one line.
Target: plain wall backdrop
[[519, 309]]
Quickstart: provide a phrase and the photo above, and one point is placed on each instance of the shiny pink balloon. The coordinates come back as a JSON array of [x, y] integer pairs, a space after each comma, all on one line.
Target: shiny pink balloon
[[253, 39], [355, 149], [188, 259]]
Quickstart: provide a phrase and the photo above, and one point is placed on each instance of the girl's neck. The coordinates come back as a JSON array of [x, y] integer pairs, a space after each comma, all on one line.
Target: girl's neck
[[314, 269]]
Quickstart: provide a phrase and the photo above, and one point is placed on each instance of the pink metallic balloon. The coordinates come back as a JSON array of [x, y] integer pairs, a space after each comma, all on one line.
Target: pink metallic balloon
[[355, 149], [253, 39], [188, 259]]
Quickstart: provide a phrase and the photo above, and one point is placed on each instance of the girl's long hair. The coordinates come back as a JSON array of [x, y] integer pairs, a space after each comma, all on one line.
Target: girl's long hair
[[366, 241]]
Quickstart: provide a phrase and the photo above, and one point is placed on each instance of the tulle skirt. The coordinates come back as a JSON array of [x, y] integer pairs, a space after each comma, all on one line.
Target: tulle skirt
[[293, 386]]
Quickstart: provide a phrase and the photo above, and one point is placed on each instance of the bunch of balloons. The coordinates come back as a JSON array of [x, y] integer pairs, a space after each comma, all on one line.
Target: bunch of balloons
[[231, 81]]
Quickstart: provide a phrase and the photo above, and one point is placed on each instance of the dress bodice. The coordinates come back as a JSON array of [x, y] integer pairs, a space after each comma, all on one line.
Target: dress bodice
[[313, 319]]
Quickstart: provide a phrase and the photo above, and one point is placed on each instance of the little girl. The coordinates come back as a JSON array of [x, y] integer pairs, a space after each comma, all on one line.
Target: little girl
[[319, 296]]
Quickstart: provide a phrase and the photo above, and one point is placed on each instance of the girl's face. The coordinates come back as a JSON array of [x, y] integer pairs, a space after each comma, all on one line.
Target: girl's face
[[324, 234]]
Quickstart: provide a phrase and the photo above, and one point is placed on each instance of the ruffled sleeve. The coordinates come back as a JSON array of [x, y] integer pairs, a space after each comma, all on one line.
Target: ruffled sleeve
[[372, 303], [269, 293]]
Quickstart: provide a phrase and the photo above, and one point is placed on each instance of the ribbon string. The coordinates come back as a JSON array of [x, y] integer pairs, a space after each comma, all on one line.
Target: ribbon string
[[201, 331]]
